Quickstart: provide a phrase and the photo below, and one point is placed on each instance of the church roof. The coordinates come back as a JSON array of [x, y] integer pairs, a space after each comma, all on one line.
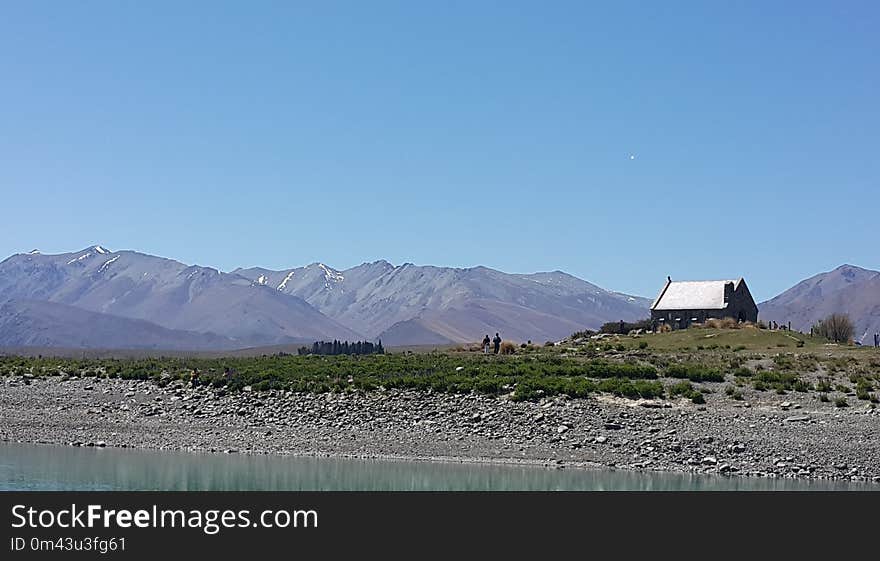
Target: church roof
[[693, 295]]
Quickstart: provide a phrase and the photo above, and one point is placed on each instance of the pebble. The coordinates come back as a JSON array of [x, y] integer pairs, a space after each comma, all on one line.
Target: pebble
[[431, 424]]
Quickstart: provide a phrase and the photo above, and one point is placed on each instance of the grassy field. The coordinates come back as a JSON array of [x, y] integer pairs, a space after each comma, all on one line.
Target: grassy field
[[681, 364], [749, 339]]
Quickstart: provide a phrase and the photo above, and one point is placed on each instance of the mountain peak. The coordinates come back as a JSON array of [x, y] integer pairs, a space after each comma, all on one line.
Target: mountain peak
[[848, 267], [260, 306], [850, 272], [99, 249], [848, 289]]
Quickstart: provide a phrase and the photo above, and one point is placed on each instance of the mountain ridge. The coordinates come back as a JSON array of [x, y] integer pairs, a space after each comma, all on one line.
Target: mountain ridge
[[847, 289], [407, 303], [404, 304], [166, 292], [379, 299]]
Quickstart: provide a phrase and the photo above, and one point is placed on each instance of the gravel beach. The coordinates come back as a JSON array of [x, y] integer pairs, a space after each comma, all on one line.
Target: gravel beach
[[765, 435]]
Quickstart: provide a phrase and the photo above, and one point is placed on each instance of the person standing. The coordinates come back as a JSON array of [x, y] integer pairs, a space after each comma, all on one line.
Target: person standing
[[877, 339], [486, 344], [497, 342]]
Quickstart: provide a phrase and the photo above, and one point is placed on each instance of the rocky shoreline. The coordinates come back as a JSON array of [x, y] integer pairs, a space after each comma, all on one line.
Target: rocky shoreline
[[766, 436]]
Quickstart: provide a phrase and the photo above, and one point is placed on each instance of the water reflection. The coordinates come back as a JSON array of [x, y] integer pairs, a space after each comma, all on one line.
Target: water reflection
[[27, 467]]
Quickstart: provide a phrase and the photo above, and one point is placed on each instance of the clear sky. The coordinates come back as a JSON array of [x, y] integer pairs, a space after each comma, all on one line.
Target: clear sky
[[618, 141]]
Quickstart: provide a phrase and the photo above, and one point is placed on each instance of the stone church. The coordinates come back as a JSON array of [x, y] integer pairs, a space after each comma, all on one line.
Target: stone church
[[681, 303]]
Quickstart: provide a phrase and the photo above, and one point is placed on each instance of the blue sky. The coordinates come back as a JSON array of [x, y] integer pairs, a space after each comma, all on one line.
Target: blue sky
[[451, 133]]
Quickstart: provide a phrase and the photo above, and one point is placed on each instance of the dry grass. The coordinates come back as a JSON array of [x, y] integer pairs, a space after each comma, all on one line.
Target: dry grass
[[468, 348], [508, 348], [724, 323]]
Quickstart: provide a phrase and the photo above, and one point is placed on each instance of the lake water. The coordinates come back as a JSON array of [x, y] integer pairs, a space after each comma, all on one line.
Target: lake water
[[28, 467]]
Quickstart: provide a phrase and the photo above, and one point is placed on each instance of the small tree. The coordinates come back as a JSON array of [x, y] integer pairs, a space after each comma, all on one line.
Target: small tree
[[836, 327]]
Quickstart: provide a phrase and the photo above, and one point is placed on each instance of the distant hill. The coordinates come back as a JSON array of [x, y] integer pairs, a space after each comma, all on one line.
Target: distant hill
[[847, 289], [31, 323]]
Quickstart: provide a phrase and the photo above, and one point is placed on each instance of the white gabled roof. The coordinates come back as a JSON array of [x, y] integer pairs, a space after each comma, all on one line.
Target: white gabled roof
[[693, 295]]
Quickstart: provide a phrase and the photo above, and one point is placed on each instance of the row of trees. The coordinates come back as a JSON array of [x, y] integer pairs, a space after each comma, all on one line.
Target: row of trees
[[342, 348]]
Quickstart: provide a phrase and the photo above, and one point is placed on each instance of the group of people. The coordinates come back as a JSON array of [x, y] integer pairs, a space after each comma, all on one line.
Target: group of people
[[496, 341]]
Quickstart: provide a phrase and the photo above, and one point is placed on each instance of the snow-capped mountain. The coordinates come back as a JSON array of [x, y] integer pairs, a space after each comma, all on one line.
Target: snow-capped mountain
[[167, 293], [404, 304], [410, 304]]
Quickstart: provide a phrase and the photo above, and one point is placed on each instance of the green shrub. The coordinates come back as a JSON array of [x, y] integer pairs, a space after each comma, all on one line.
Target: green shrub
[[733, 393], [841, 402], [623, 327], [686, 389], [779, 381], [801, 386], [694, 373]]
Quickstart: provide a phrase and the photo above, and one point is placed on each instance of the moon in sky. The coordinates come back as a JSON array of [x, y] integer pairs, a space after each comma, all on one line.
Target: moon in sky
[[632, 156]]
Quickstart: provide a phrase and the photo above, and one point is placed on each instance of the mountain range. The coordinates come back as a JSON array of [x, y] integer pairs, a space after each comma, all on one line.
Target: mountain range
[[164, 292], [98, 298], [847, 289], [409, 304]]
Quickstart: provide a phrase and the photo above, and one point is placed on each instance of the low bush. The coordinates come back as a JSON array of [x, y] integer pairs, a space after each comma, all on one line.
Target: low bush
[[734, 393], [623, 327], [694, 373], [724, 323], [687, 390], [836, 327], [742, 372], [529, 376], [779, 381]]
